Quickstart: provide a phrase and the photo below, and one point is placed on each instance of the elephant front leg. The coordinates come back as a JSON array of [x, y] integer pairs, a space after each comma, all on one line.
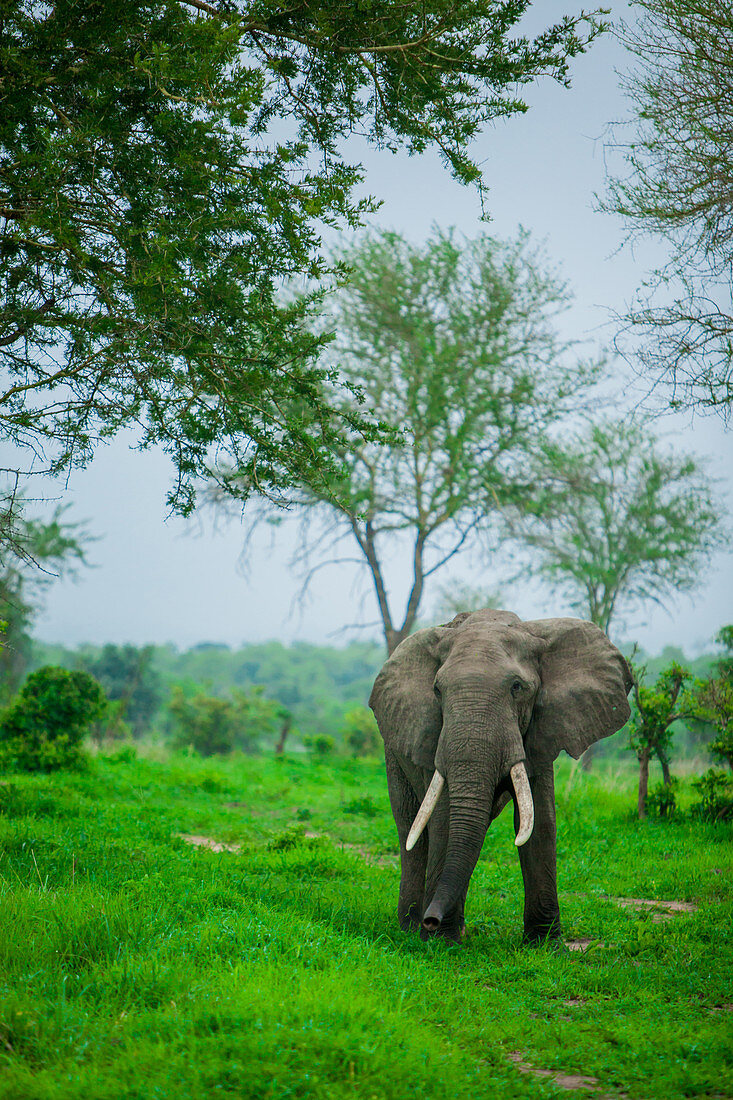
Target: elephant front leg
[[538, 860], [405, 805]]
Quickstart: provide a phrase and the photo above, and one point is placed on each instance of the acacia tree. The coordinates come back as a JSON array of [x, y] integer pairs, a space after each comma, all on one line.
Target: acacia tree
[[454, 346], [615, 521], [165, 165], [677, 186]]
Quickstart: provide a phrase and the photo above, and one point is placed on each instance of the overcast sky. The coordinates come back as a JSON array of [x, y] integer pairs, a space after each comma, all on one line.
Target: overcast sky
[[158, 579]]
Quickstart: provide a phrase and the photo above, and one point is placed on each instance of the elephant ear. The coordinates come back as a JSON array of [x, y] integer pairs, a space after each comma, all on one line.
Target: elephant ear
[[582, 697], [403, 700]]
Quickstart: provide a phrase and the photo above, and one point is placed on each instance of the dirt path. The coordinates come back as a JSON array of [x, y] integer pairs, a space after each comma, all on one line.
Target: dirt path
[[570, 1081], [208, 842]]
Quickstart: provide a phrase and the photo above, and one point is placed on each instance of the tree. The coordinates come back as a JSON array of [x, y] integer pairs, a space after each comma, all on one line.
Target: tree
[[43, 728], [33, 554], [214, 726], [653, 714], [614, 520], [285, 721], [454, 346], [166, 166], [128, 677], [713, 700], [677, 186], [360, 733]]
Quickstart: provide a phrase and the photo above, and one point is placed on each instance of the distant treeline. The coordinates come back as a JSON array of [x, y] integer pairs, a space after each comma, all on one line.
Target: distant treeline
[[318, 685]]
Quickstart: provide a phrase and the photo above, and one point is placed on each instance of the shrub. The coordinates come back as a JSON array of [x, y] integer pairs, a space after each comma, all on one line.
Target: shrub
[[360, 732], [206, 724], [716, 796], [212, 726], [662, 799], [722, 746], [43, 728], [126, 755], [320, 745], [292, 837], [363, 807]]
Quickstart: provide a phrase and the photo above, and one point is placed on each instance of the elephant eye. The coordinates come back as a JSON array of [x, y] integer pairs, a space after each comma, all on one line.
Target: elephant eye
[[517, 687]]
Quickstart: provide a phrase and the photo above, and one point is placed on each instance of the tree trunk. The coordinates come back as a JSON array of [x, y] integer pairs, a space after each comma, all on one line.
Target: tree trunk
[[643, 782], [666, 774], [393, 639], [284, 731]]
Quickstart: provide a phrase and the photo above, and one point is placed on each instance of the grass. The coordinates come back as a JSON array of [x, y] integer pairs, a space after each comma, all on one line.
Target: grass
[[133, 964]]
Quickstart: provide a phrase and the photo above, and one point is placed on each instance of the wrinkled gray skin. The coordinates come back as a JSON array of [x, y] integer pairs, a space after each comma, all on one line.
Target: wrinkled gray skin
[[471, 699]]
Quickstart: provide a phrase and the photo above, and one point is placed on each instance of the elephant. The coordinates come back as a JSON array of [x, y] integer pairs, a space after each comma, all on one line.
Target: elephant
[[473, 714]]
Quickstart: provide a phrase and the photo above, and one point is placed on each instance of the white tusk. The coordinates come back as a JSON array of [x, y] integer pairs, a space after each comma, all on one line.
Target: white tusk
[[525, 805], [423, 814]]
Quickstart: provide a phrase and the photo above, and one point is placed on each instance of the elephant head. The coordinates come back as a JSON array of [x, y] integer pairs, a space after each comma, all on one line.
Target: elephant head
[[485, 702]]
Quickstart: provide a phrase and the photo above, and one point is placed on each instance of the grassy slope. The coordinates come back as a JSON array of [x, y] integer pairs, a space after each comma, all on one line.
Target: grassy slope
[[133, 965]]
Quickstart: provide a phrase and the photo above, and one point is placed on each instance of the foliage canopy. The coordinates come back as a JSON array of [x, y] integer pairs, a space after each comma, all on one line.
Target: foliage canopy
[[166, 166], [455, 348], [615, 520]]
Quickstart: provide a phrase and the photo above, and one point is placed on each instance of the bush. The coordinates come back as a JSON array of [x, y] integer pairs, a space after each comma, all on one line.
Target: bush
[[206, 724], [292, 837], [662, 799], [360, 732], [43, 728], [321, 745], [722, 746], [716, 791], [364, 807], [213, 726]]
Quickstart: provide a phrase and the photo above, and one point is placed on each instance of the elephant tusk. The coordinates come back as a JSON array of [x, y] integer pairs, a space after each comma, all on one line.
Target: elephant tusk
[[423, 814], [525, 805]]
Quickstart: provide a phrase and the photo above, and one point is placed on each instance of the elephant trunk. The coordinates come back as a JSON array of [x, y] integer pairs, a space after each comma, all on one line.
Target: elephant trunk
[[469, 821], [472, 783]]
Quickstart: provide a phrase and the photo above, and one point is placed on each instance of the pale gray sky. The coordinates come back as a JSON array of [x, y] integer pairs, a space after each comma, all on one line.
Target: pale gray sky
[[157, 580]]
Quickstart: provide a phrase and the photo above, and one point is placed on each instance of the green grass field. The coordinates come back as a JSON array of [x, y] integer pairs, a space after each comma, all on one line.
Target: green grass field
[[136, 964]]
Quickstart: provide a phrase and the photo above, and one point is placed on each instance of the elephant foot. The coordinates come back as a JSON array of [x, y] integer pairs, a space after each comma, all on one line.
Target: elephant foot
[[410, 918], [409, 924], [538, 937]]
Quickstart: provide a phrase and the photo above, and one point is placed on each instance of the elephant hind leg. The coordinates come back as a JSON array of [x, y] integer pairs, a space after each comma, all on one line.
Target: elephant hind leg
[[405, 804]]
